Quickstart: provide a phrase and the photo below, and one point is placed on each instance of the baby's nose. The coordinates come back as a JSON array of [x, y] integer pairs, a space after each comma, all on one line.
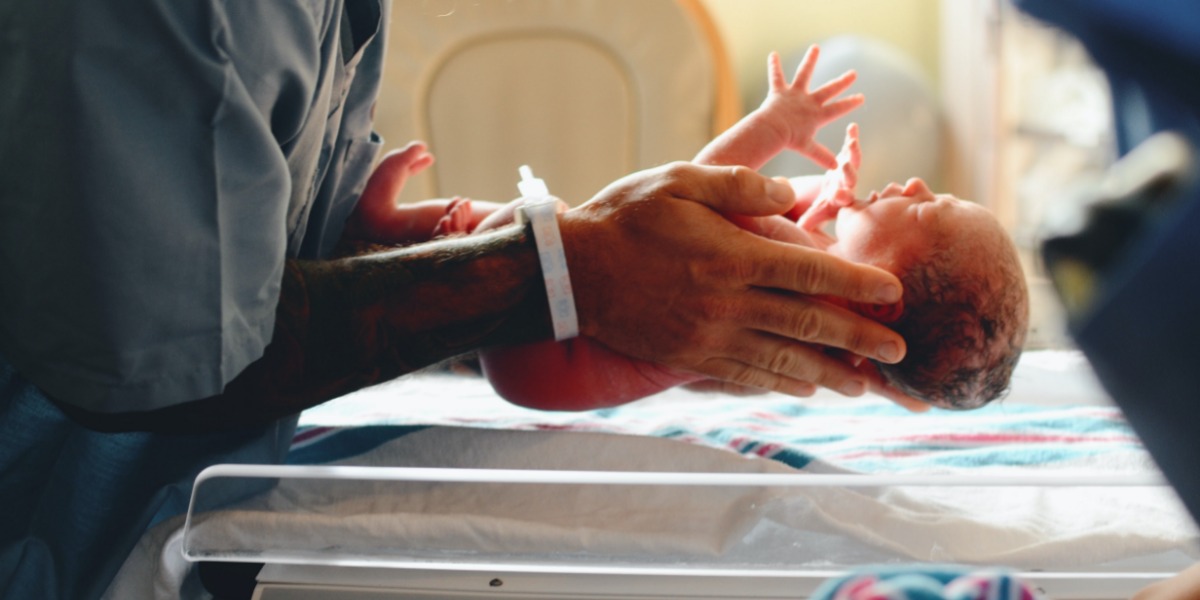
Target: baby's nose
[[916, 187]]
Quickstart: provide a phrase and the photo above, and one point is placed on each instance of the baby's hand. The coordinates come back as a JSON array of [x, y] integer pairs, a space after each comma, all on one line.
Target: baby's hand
[[837, 189], [798, 113]]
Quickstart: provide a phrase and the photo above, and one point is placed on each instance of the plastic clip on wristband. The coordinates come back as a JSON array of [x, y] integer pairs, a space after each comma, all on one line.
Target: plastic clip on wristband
[[540, 209]]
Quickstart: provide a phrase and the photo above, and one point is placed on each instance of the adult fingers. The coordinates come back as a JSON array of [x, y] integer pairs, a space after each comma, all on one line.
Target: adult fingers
[[810, 320], [789, 360], [881, 387], [725, 387], [734, 190], [774, 227], [900, 398], [741, 374], [812, 272]]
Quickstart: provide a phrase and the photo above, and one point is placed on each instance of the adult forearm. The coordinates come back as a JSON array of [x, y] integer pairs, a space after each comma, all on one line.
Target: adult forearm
[[405, 309], [346, 324]]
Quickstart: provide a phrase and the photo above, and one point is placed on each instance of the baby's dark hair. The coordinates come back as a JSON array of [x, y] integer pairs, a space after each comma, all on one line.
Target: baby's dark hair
[[964, 331]]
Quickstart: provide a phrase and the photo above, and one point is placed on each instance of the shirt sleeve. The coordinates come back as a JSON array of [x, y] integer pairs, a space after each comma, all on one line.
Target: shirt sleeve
[[145, 193]]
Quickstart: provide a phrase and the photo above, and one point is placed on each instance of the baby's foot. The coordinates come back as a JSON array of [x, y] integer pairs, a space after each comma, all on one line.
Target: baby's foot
[[389, 177], [457, 219], [372, 217]]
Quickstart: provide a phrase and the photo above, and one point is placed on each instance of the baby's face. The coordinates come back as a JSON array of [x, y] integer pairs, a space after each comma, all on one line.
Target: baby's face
[[900, 224]]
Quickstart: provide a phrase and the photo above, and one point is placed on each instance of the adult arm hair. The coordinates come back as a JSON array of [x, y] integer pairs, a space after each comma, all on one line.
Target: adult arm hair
[[345, 324]]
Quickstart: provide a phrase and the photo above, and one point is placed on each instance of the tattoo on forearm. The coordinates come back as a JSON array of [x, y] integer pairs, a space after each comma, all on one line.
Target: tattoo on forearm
[[345, 324], [405, 309]]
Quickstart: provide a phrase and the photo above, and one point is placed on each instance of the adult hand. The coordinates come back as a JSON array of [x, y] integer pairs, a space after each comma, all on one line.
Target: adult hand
[[659, 274], [879, 386]]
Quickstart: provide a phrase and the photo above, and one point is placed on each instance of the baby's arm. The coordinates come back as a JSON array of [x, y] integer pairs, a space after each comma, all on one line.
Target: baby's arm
[[787, 119]]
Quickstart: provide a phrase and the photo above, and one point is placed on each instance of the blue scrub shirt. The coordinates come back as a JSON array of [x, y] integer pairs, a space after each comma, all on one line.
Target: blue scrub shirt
[[159, 161]]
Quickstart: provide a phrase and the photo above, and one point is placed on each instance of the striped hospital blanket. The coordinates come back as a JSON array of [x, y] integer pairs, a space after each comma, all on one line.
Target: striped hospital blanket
[[1032, 428]]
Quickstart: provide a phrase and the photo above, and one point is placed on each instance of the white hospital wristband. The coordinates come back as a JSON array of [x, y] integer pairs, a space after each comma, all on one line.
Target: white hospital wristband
[[540, 209]]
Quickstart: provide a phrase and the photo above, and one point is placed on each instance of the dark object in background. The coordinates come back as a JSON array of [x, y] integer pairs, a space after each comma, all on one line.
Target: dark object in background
[[1130, 273]]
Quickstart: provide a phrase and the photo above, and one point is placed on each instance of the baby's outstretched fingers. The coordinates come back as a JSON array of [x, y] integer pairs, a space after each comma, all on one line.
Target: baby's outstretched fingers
[[821, 155], [776, 80], [847, 180], [851, 152], [805, 70], [843, 197], [821, 212], [839, 108], [849, 159], [795, 114], [835, 87]]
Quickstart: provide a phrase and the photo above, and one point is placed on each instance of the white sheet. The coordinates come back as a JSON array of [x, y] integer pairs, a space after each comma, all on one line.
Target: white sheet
[[1023, 528]]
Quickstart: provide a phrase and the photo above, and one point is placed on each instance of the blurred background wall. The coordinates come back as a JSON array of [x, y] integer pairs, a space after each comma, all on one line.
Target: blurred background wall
[[752, 28]]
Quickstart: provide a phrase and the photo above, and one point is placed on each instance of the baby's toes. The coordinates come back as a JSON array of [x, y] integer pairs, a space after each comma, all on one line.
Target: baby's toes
[[457, 219]]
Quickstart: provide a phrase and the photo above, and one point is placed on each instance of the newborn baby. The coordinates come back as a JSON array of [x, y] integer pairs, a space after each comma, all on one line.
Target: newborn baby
[[963, 313], [965, 306]]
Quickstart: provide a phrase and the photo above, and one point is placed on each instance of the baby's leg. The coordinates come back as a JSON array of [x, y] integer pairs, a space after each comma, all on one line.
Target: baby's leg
[[583, 374], [576, 374]]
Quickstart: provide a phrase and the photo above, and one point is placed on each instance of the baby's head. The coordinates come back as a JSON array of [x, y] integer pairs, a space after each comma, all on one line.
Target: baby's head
[[966, 306]]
